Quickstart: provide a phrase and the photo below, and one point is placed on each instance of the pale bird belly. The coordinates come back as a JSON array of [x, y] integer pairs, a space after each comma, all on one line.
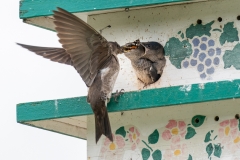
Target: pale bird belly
[[145, 78], [108, 77]]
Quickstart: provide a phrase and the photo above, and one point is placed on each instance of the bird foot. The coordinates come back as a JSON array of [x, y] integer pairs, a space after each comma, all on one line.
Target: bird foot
[[103, 97], [117, 94], [144, 84]]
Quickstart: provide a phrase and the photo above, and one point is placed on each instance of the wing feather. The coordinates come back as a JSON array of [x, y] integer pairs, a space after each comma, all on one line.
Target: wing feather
[[87, 48], [54, 54]]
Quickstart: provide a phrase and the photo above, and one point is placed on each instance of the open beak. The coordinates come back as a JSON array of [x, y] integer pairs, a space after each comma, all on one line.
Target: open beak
[[129, 46]]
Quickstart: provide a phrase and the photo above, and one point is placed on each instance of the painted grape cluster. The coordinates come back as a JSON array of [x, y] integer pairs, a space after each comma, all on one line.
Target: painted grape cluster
[[197, 48], [205, 56]]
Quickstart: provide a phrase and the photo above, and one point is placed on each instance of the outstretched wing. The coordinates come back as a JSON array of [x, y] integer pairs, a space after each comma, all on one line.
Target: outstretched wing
[[54, 54], [87, 48]]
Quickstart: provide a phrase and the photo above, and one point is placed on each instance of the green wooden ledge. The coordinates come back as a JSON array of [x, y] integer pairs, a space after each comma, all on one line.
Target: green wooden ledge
[[161, 97], [36, 8]]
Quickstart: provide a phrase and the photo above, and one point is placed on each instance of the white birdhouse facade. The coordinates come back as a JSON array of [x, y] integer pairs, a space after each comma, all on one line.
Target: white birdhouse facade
[[191, 112], [201, 42]]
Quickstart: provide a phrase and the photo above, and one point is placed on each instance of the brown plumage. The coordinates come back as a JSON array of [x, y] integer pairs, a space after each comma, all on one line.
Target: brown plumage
[[94, 58], [54, 54]]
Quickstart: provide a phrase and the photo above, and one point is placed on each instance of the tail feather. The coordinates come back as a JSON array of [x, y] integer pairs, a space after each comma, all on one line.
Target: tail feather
[[102, 126]]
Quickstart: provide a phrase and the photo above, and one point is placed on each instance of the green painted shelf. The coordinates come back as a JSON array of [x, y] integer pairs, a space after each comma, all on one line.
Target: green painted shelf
[[36, 8], [161, 97]]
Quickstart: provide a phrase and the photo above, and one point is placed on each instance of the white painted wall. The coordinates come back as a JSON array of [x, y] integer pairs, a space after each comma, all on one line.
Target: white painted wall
[[146, 121], [161, 23]]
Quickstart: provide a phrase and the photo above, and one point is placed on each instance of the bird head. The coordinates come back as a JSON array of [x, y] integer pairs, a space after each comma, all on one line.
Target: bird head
[[115, 48], [133, 50], [152, 48]]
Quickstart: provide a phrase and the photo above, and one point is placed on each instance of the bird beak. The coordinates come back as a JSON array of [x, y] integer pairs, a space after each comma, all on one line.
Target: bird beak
[[129, 46]]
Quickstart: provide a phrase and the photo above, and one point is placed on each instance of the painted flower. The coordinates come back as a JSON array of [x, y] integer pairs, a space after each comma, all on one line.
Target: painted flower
[[112, 150], [177, 152], [175, 130], [229, 134], [134, 137]]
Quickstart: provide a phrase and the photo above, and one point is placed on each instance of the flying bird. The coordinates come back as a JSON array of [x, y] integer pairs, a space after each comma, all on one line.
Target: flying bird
[[147, 59], [94, 58]]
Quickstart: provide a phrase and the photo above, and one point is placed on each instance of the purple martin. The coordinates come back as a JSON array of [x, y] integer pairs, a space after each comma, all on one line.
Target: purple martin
[[147, 59], [94, 58]]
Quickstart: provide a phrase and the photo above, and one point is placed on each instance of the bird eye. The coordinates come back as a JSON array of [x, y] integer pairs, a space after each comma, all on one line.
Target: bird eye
[[148, 45]]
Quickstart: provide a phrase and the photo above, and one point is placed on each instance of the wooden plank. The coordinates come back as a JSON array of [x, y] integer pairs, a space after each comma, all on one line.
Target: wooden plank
[[36, 8], [60, 127], [73, 121], [160, 97]]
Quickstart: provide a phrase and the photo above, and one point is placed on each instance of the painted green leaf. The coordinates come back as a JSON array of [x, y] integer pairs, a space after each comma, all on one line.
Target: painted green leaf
[[190, 133], [177, 50], [121, 131], [231, 57], [230, 34], [157, 155], [207, 137], [145, 153], [209, 149], [189, 157], [147, 145], [198, 120], [182, 35], [217, 150], [153, 138], [199, 30]]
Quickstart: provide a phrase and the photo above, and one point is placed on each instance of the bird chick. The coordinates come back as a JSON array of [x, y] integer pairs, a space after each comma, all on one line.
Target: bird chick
[[147, 59]]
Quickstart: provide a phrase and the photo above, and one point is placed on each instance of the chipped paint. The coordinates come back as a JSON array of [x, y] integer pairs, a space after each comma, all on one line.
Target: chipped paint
[[186, 88], [56, 107], [237, 92], [201, 86]]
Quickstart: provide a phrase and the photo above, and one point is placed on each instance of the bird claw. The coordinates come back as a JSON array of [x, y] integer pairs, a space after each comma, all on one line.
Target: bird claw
[[144, 84], [104, 97], [117, 94]]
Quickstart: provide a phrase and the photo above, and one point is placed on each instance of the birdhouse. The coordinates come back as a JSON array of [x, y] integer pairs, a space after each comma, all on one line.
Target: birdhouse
[[191, 112]]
